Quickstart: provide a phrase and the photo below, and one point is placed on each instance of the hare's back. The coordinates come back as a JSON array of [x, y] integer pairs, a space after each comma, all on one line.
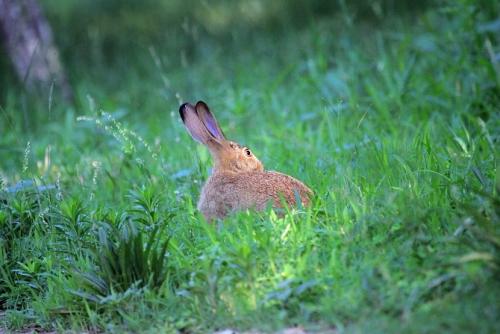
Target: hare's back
[[259, 188], [228, 193]]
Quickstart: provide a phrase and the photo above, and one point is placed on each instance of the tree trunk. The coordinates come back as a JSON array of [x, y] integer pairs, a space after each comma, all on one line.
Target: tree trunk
[[29, 43]]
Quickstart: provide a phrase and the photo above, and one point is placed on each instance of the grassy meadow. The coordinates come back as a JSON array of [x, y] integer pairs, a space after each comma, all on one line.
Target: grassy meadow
[[387, 111]]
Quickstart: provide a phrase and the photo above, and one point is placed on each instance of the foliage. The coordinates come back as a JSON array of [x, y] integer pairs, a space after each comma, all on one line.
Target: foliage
[[391, 117], [125, 263]]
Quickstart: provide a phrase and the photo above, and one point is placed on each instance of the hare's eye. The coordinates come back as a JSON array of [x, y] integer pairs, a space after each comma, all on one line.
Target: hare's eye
[[247, 152]]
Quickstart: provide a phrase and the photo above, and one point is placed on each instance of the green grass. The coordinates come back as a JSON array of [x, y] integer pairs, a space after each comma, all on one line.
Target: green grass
[[392, 121]]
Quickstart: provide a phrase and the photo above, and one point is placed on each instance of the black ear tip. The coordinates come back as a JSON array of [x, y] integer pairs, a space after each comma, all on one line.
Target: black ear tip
[[182, 109], [201, 103]]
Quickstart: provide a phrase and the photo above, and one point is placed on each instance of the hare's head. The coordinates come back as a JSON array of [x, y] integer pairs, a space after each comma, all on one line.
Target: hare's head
[[229, 157]]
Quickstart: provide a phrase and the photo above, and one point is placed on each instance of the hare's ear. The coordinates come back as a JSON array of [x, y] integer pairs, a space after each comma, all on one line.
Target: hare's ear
[[195, 126], [209, 120]]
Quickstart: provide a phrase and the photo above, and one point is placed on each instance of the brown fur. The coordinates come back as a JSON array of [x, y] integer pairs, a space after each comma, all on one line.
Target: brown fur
[[239, 180]]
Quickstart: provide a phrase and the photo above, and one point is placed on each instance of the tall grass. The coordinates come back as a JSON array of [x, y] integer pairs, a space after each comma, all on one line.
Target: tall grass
[[391, 120]]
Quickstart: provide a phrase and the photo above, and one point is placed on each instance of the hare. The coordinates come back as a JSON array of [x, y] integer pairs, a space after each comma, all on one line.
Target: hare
[[238, 179]]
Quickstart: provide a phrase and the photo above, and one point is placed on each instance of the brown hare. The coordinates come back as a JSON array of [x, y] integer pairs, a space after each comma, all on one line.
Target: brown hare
[[238, 179]]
